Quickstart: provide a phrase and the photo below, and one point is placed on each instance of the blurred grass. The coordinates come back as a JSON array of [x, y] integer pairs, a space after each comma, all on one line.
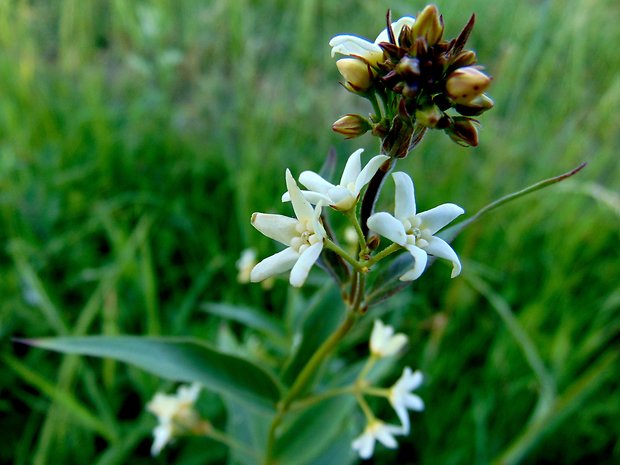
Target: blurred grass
[[136, 138]]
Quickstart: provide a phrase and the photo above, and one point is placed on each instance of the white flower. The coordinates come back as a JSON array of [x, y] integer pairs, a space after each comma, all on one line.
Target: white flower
[[174, 413], [376, 431], [344, 195], [415, 231], [303, 235], [356, 46], [402, 399], [383, 341], [244, 265]]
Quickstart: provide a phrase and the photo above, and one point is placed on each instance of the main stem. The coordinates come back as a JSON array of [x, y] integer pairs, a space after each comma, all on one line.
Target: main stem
[[305, 376]]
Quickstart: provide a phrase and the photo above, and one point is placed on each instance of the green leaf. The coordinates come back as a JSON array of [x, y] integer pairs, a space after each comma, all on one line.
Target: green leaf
[[307, 436], [185, 360], [248, 316], [449, 234]]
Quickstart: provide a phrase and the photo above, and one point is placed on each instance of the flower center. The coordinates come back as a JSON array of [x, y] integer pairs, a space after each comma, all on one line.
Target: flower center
[[306, 238], [416, 234]]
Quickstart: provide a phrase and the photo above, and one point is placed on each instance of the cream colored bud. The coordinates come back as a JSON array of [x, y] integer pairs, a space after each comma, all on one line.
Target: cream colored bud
[[465, 84], [351, 126], [429, 24], [476, 106], [358, 75]]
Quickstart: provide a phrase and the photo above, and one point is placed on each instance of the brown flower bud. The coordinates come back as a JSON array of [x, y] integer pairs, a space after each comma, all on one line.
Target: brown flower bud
[[358, 75], [373, 242], [429, 24], [465, 84], [351, 126], [464, 131], [428, 116]]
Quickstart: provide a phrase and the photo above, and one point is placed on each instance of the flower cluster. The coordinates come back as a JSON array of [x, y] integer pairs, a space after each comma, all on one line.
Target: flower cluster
[[306, 237], [384, 343], [419, 75], [175, 415]]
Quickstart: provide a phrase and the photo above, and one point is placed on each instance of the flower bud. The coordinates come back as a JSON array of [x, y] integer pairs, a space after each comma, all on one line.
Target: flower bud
[[429, 24], [358, 75], [476, 106], [464, 131], [351, 126], [465, 84], [429, 116]]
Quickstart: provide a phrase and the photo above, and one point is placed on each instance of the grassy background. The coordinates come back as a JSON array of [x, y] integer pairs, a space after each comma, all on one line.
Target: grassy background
[[136, 138]]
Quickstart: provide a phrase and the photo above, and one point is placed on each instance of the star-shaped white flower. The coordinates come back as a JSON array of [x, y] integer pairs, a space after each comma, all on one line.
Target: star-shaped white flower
[[415, 231], [351, 45], [303, 235], [402, 399], [343, 196], [174, 412], [383, 341], [376, 430]]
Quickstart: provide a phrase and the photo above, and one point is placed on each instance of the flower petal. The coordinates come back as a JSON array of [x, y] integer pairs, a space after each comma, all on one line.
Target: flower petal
[[314, 182], [364, 445], [440, 248], [438, 217], [385, 435], [397, 26], [387, 226], [303, 209], [404, 199], [354, 45], [352, 168], [369, 171], [414, 402], [300, 270], [341, 198], [277, 227], [275, 264], [310, 196], [161, 436], [419, 264]]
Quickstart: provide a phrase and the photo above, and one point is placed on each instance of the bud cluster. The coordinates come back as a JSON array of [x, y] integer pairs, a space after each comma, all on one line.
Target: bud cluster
[[426, 81]]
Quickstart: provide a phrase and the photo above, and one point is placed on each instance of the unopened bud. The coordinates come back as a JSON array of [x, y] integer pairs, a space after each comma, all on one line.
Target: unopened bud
[[373, 242], [464, 131], [476, 106], [465, 58], [429, 116], [429, 24], [351, 126], [465, 84], [408, 68], [358, 75]]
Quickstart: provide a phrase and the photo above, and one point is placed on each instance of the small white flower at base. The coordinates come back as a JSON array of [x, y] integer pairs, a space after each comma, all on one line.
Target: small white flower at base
[[351, 45], [304, 236], [415, 231], [244, 265], [402, 399], [376, 431], [343, 196], [383, 341], [175, 413]]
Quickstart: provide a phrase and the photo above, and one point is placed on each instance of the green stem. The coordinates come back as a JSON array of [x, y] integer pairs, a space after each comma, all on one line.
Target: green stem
[[375, 105], [304, 377], [311, 400], [352, 216], [384, 253], [225, 439], [331, 245]]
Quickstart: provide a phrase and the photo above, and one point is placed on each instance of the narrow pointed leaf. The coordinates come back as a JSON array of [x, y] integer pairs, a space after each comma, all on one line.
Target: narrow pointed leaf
[[177, 359]]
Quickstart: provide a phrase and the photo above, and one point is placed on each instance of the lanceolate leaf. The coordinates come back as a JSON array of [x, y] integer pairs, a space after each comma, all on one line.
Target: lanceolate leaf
[[184, 360]]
